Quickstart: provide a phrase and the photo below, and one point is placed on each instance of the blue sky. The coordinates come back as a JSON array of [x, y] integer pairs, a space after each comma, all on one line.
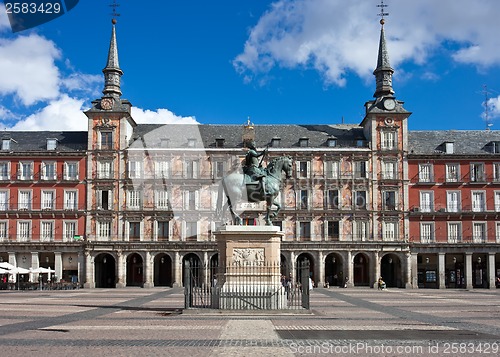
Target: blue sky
[[284, 61]]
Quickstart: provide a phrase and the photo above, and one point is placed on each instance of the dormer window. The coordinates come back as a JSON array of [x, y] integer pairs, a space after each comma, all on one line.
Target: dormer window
[[51, 144], [191, 143], [6, 144], [495, 147], [331, 142], [360, 143], [449, 147], [219, 142], [165, 143], [275, 142], [304, 142]]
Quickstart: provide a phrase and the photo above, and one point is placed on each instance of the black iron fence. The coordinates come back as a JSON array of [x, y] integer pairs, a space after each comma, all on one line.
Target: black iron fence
[[246, 286]]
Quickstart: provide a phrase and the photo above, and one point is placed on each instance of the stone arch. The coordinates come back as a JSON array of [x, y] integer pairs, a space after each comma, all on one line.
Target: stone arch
[[361, 270], [391, 270], [163, 272], [334, 275], [305, 258], [105, 270], [135, 270], [196, 268]]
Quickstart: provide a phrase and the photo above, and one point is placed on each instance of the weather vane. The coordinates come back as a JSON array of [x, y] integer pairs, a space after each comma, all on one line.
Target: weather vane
[[115, 14], [382, 13]]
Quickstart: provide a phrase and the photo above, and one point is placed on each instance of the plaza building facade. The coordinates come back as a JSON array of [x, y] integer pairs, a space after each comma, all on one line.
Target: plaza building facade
[[148, 197]]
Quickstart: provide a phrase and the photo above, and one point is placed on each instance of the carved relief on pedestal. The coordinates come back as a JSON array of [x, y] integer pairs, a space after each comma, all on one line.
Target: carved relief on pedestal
[[245, 256]]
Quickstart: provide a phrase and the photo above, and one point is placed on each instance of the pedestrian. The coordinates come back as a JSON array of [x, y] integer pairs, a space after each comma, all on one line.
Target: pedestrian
[[346, 280], [381, 284]]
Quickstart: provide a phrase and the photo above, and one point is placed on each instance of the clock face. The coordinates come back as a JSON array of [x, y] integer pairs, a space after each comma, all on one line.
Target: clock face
[[107, 103], [389, 104]]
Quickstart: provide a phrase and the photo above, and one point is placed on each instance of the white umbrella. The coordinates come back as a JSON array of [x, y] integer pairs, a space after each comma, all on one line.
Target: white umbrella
[[42, 270], [5, 265], [3, 271], [18, 270]]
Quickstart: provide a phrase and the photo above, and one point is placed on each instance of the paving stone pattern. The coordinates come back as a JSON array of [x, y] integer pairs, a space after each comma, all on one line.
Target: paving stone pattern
[[152, 322]]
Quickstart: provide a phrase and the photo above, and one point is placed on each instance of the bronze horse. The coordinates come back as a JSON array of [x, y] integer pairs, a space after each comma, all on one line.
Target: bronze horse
[[237, 188]]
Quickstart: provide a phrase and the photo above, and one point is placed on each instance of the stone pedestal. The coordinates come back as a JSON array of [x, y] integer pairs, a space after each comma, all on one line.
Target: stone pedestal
[[249, 275]]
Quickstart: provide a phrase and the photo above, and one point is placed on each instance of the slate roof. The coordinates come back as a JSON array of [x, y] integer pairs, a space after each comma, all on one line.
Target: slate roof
[[150, 135], [36, 141], [466, 142]]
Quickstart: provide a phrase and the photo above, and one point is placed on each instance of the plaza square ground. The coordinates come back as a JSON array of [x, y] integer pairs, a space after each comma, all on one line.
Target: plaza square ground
[[343, 322]]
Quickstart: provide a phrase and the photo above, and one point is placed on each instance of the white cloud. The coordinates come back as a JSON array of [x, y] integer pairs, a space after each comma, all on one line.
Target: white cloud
[[64, 113], [86, 83], [161, 116], [335, 36], [493, 108], [28, 68], [4, 19]]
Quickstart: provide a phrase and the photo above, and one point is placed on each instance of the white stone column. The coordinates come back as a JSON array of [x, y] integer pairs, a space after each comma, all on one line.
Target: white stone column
[[441, 270], [149, 268], [468, 270], [491, 270], [122, 274], [206, 269], [408, 269], [349, 269], [321, 271], [81, 267], [414, 270], [89, 271], [376, 268], [35, 263], [293, 265], [177, 270], [57, 266]]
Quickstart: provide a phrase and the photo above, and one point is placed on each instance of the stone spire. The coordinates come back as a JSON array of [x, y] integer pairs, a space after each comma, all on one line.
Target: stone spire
[[383, 73], [112, 71]]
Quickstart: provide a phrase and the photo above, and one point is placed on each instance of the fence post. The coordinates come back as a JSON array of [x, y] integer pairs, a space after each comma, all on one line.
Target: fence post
[[187, 285], [304, 282]]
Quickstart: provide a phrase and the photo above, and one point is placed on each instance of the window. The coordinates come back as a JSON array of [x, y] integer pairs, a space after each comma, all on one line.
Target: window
[[333, 199], [360, 169], [426, 201], [390, 231], [23, 231], [332, 169], [191, 143], [389, 170], [106, 140], [4, 171], [161, 199], [219, 142], [479, 232], [388, 140], [162, 232], [333, 230], [47, 200], [449, 147], [497, 224], [191, 200], [454, 232], [218, 169], [360, 230], [25, 171], [103, 230], [191, 231], [48, 171], [275, 142], [191, 169], [104, 199], [452, 172], [304, 231], [134, 169], [426, 232], [51, 144], [303, 168], [389, 203], [425, 173], [134, 199], [453, 201], [24, 200], [3, 231], [496, 172], [303, 199], [47, 231], [105, 170], [69, 231], [161, 169], [6, 144], [134, 231], [71, 171], [478, 201], [304, 142], [497, 201], [4, 200], [477, 172], [360, 199], [70, 200]]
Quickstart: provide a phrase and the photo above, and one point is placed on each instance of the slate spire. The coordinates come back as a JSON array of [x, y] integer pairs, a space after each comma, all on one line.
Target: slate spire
[[383, 73], [112, 71]]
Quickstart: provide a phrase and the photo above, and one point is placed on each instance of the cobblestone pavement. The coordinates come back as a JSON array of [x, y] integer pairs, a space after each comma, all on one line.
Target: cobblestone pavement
[[343, 322]]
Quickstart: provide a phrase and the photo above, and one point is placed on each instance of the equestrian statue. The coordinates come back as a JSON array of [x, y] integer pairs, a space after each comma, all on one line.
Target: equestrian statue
[[254, 184]]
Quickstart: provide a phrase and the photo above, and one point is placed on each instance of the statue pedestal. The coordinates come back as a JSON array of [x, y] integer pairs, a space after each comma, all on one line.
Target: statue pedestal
[[249, 273]]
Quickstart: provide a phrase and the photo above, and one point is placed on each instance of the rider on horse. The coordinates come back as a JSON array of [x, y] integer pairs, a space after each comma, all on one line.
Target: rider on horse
[[253, 167]]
